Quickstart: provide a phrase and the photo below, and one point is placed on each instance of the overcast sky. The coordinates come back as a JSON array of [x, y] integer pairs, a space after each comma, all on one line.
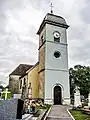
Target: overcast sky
[[20, 20]]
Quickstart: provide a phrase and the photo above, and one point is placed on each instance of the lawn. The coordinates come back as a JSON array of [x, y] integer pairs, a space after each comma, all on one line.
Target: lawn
[[78, 115]]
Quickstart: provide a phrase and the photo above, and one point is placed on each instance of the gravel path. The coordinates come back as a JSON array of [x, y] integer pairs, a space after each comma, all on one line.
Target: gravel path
[[59, 112]]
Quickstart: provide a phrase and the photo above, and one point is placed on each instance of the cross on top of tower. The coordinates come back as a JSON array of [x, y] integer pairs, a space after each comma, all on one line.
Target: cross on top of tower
[[51, 8]]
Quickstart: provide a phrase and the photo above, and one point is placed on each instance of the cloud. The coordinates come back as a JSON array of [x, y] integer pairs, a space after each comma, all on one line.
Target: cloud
[[18, 40], [85, 12], [20, 20]]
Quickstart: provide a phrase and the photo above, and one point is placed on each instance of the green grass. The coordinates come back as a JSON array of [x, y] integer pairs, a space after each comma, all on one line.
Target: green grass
[[44, 107], [78, 115]]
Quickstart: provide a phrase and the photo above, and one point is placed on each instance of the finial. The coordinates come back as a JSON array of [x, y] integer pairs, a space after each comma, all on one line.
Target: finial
[[51, 8]]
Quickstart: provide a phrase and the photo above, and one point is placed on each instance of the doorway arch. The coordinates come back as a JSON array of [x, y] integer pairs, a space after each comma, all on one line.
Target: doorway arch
[[57, 95]]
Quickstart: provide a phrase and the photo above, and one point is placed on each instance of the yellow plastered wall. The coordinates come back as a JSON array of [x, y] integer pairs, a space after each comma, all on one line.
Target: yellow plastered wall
[[33, 78], [41, 84]]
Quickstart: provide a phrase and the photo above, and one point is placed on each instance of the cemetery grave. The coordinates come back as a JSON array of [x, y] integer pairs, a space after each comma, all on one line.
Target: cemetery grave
[[6, 94], [8, 110], [80, 111]]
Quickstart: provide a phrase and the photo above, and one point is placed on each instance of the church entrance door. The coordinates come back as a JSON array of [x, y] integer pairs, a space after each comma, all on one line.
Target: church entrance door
[[57, 95]]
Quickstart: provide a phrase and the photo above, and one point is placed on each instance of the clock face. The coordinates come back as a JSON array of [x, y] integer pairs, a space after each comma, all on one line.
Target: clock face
[[56, 34]]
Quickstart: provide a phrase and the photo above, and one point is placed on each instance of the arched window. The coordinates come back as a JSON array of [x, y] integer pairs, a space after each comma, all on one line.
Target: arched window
[[24, 82], [56, 39]]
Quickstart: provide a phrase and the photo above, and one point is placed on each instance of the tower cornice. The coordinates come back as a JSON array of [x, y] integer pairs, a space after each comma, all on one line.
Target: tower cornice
[[53, 20]]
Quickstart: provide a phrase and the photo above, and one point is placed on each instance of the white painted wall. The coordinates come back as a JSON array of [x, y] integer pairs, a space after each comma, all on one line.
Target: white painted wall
[[56, 69], [51, 62], [56, 77], [49, 33]]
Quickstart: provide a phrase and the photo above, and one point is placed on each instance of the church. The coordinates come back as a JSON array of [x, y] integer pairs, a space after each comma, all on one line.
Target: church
[[48, 79]]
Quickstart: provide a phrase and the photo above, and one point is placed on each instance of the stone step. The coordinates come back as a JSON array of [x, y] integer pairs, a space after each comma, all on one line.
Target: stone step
[[26, 117]]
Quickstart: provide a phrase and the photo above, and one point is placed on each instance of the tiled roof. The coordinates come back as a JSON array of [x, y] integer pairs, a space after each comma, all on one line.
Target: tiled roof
[[55, 18], [21, 69], [29, 70]]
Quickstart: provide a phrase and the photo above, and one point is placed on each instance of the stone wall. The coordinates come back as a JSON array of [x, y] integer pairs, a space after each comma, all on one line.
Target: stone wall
[[14, 84], [42, 58], [24, 87], [41, 71], [41, 84]]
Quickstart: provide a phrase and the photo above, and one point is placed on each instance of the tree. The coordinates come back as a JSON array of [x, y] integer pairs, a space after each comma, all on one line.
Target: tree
[[80, 76], [1, 87]]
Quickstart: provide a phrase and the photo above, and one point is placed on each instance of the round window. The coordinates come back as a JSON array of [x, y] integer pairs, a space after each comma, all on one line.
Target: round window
[[57, 54]]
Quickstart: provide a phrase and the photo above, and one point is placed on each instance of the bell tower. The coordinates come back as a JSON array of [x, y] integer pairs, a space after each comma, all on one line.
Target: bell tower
[[53, 60]]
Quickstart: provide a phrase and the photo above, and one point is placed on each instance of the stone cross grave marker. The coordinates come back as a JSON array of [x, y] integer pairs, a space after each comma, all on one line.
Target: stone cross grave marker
[[77, 100], [6, 93], [89, 99]]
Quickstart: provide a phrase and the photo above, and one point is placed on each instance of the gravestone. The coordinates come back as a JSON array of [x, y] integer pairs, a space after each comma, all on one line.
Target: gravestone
[[17, 96], [89, 99], [19, 109], [77, 100], [8, 109], [0, 92]]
